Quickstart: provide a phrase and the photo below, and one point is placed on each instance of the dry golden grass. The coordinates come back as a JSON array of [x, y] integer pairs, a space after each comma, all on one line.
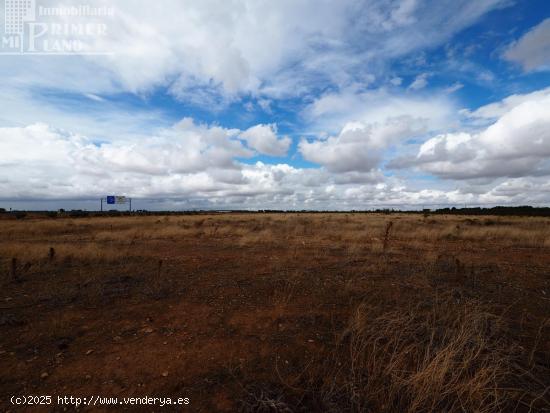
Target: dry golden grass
[[320, 312], [427, 361]]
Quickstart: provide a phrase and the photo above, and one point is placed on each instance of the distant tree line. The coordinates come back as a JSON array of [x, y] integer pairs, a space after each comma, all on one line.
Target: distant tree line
[[498, 210], [525, 210]]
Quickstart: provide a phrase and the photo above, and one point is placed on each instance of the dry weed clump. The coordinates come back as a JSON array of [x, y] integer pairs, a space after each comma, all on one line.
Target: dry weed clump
[[264, 399], [436, 356]]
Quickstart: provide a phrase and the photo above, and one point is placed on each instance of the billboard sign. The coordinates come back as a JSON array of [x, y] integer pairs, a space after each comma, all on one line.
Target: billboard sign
[[116, 200], [113, 199]]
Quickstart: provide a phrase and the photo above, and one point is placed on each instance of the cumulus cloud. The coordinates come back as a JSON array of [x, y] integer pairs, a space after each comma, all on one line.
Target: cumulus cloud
[[517, 144], [185, 166], [532, 50], [362, 125], [177, 169], [495, 110], [190, 164], [57, 164], [359, 146], [519, 191], [349, 151], [186, 161], [263, 138]]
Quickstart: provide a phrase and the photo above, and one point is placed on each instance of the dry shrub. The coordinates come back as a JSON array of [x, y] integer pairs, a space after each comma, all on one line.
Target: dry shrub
[[264, 399], [284, 292], [438, 356]]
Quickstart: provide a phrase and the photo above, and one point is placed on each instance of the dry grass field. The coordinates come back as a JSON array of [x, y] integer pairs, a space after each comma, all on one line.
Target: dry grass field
[[280, 312]]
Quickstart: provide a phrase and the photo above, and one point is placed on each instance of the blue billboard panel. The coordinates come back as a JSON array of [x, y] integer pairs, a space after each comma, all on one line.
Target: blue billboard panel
[[111, 199]]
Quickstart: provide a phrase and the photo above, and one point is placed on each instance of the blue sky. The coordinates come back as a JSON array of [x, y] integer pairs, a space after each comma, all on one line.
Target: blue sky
[[354, 104]]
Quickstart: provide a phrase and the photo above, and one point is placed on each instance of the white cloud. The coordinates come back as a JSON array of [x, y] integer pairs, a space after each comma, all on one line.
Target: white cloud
[[263, 138], [495, 110], [396, 81], [186, 162], [181, 168], [94, 97], [363, 125], [404, 13], [56, 164], [332, 111], [517, 144], [454, 87], [519, 191], [420, 82], [215, 52], [265, 104], [349, 151], [229, 48], [532, 50], [359, 146], [108, 119]]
